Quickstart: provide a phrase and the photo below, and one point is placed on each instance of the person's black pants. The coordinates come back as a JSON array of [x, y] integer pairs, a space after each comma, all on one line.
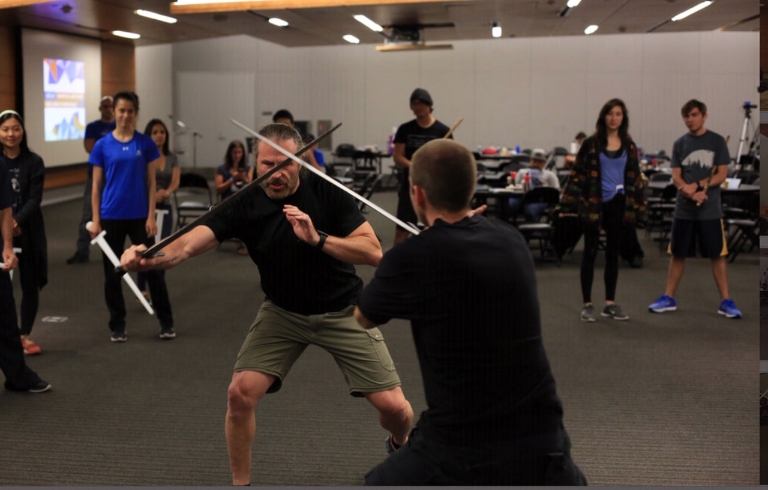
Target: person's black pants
[[612, 217], [425, 462], [30, 292], [17, 374], [135, 230], [141, 277]]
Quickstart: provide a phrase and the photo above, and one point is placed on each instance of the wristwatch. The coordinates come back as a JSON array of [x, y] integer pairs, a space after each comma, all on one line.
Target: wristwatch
[[323, 237]]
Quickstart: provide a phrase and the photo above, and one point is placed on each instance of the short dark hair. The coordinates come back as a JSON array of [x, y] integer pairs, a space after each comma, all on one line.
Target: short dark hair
[[148, 131], [277, 132], [23, 145], [282, 114], [129, 96], [447, 172], [691, 105], [580, 135]]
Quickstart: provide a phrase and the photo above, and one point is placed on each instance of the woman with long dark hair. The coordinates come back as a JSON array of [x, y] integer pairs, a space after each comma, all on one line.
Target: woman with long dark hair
[[123, 200], [605, 190], [27, 173], [233, 175], [167, 176]]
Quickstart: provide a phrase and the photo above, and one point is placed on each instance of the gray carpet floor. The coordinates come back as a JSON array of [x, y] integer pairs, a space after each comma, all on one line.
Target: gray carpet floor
[[657, 400]]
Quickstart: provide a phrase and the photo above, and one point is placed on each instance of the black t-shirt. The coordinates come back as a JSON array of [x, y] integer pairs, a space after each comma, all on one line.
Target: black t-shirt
[[414, 137], [6, 194], [14, 170], [294, 275], [469, 290]]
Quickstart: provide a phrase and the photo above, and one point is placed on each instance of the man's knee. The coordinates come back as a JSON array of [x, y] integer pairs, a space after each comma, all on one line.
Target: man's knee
[[246, 389], [390, 402]]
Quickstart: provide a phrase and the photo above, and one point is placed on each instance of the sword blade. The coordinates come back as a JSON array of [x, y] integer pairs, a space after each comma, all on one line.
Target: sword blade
[[320, 174]]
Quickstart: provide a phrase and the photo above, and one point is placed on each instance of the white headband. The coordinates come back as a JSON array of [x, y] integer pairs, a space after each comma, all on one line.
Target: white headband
[[9, 111]]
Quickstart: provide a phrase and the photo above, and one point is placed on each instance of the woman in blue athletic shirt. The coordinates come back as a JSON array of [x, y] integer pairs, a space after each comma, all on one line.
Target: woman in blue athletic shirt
[[123, 199]]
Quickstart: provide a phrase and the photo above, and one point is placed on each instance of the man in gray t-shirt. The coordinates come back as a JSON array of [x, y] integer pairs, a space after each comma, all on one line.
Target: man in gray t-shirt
[[699, 165]]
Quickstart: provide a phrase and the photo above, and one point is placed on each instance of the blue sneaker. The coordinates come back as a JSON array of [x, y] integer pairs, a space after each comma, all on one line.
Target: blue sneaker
[[664, 303], [728, 308]]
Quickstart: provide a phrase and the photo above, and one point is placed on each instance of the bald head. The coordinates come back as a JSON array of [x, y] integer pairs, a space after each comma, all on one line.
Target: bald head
[[447, 172]]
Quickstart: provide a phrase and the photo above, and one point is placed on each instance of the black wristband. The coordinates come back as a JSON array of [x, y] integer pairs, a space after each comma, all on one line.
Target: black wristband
[[323, 238], [699, 187]]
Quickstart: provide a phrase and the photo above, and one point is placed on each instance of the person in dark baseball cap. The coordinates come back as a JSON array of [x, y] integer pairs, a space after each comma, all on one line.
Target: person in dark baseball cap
[[409, 138], [422, 95]]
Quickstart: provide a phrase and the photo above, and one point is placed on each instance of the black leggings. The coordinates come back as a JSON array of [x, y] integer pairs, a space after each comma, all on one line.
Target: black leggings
[[30, 291], [613, 213]]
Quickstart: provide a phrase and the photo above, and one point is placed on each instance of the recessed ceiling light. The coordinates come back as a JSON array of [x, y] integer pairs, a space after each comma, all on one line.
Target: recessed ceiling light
[[154, 16], [496, 30], [278, 22], [368, 23], [351, 39], [127, 35], [573, 3], [692, 10], [590, 29]]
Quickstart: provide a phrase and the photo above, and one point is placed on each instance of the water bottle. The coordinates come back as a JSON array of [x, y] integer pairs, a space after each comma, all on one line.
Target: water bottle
[[527, 182], [513, 177], [517, 149]]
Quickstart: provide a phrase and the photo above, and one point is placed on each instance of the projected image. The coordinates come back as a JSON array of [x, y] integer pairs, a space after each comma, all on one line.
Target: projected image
[[64, 91]]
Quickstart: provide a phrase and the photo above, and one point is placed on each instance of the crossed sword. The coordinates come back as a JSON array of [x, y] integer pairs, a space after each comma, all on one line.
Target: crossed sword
[[154, 250]]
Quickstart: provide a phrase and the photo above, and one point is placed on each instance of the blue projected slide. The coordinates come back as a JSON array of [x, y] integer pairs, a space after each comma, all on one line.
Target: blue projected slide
[[64, 92]]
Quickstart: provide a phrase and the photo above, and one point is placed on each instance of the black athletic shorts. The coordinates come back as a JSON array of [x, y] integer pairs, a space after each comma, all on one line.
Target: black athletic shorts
[[708, 234]]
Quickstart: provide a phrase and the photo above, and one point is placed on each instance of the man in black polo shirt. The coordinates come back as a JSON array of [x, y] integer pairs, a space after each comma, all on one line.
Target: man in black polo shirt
[[311, 289], [468, 286], [18, 376]]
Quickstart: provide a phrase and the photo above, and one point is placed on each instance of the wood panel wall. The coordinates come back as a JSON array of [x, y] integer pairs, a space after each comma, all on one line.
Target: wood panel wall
[[7, 69], [118, 68], [118, 72]]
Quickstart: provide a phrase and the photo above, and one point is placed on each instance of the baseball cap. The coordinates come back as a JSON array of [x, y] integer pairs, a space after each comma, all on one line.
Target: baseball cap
[[422, 95], [538, 154]]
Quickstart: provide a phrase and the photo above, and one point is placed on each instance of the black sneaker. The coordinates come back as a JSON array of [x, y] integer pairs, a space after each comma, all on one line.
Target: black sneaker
[[167, 333], [78, 259], [119, 337], [39, 387]]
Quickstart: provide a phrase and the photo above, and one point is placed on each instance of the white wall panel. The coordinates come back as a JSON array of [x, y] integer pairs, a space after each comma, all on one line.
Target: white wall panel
[[207, 102], [154, 72], [672, 53], [532, 92]]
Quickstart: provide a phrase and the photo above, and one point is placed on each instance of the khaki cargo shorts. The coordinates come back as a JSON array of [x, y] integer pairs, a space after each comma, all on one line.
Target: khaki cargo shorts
[[278, 337]]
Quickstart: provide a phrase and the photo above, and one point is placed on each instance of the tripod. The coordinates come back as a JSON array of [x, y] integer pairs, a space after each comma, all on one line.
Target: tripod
[[754, 142]]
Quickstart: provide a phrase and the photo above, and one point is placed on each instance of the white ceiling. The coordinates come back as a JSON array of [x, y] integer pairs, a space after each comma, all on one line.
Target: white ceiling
[[468, 19]]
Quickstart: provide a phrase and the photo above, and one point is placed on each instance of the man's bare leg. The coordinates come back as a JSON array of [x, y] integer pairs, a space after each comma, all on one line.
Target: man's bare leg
[[395, 413], [245, 391], [676, 268], [721, 277]]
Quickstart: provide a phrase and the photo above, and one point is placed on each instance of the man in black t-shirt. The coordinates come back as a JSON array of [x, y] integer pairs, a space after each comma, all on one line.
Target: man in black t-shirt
[[311, 289], [18, 376], [468, 286], [409, 138]]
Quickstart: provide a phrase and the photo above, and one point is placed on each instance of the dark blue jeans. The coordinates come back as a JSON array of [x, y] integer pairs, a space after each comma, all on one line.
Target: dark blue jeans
[[425, 462], [117, 230]]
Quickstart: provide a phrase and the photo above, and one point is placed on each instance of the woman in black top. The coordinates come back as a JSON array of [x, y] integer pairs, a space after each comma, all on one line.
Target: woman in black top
[[27, 172]]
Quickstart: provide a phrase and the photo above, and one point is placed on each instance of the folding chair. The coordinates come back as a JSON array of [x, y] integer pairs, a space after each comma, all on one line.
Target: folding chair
[[192, 198]]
